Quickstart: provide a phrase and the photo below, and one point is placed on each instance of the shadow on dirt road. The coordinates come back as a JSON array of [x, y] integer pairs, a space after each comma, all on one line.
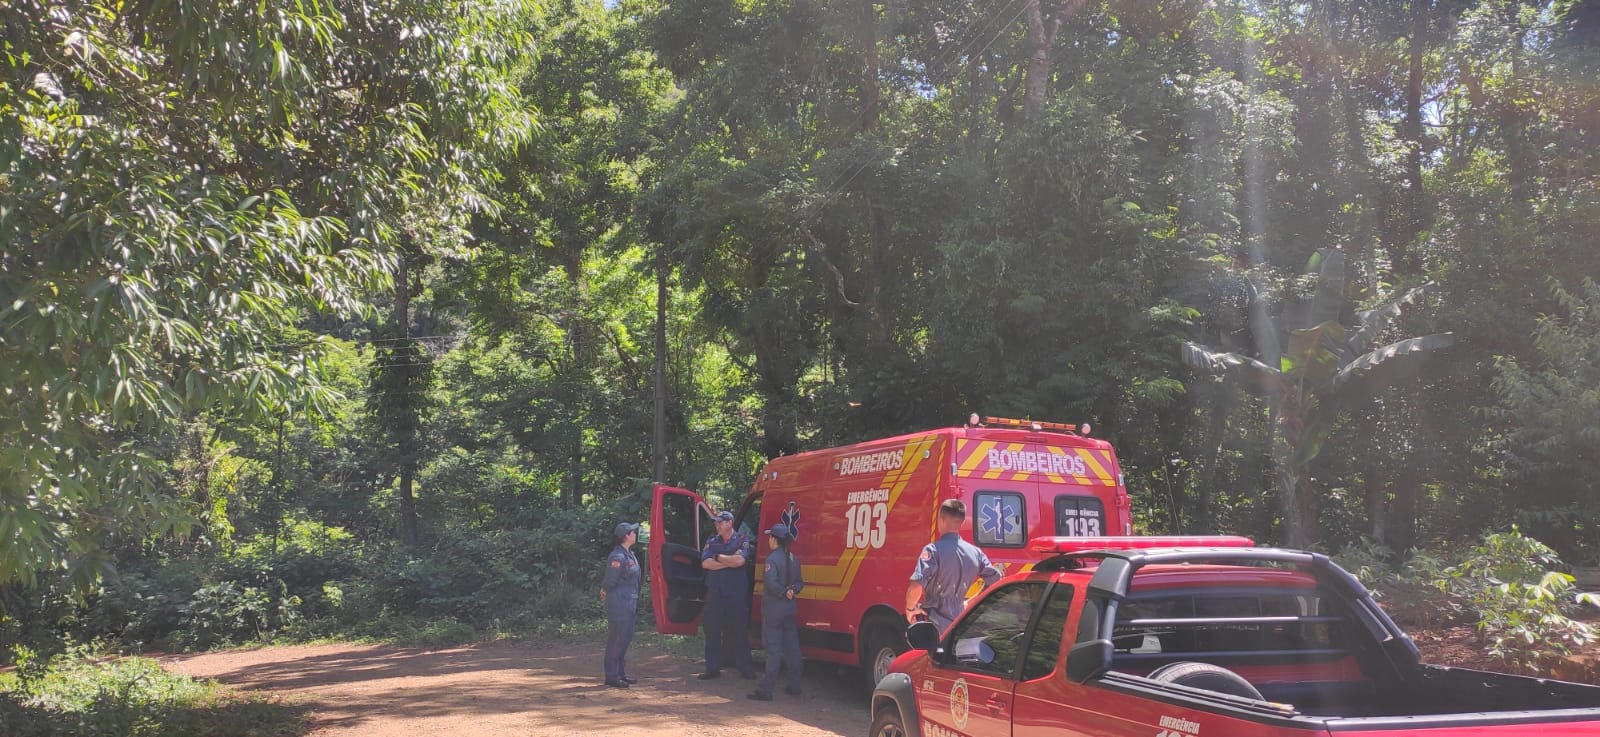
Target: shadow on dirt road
[[517, 688]]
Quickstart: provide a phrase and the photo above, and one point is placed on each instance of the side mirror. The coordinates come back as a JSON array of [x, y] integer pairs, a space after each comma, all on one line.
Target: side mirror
[[1088, 659], [923, 635]]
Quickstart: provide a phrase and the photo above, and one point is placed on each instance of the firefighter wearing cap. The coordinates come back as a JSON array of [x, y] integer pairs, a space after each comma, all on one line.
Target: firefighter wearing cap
[[781, 582], [727, 612], [619, 592]]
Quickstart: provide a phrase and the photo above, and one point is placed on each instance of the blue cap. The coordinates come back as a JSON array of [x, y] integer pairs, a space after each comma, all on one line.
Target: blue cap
[[623, 528], [780, 531], [724, 516]]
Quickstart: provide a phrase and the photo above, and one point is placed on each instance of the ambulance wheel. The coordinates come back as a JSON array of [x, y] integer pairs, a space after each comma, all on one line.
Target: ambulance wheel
[[882, 644], [888, 723]]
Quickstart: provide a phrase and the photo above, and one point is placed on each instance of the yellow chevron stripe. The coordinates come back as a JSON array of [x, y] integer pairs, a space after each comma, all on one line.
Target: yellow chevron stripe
[[1098, 470], [976, 456]]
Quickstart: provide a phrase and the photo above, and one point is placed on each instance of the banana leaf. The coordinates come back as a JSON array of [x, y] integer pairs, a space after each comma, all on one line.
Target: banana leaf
[[1381, 368], [1254, 375], [1372, 322]]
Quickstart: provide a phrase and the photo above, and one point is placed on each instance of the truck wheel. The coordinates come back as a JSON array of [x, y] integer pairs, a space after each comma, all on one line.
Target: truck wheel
[[881, 645], [1206, 676], [888, 724]]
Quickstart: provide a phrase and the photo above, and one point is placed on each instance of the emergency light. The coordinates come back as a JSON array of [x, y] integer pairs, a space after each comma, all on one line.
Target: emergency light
[[1033, 425], [1136, 542]]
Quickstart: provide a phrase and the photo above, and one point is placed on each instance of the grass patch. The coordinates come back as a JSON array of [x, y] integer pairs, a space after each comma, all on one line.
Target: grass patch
[[693, 648], [133, 697]]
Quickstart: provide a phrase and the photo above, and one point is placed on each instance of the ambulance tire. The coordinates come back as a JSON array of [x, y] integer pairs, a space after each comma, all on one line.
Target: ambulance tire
[[888, 723], [880, 646], [1205, 676]]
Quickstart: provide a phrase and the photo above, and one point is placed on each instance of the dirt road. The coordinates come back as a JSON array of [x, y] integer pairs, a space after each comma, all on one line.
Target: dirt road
[[521, 689]]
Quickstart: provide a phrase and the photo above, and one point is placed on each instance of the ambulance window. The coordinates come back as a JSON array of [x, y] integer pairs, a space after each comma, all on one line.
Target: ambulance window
[[750, 523], [999, 520], [989, 639], [1079, 516]]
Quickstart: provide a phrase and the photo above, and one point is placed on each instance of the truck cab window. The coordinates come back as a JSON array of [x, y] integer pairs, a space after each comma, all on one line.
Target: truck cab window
[[989, 639], [1045, 649]]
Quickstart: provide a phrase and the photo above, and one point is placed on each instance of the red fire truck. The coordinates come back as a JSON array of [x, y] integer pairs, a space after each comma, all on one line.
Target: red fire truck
[[863, 513]]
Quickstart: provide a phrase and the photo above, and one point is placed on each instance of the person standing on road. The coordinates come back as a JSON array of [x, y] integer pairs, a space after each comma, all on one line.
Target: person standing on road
[[946, 568], [727, 612], [619, 593], [780, 629]]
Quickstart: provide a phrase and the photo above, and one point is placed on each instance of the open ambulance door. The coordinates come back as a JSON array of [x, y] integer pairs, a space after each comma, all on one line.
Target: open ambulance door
[[679, 520]]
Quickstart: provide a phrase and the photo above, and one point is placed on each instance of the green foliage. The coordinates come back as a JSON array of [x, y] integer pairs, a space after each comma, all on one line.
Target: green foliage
[[1510, 586], [1522, 599], [1547, 404], [1313, 369], [227, 613], [178, 186], [71, 696]]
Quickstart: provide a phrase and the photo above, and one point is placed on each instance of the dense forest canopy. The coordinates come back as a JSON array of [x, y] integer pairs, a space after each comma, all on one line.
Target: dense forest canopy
[[423, 290]]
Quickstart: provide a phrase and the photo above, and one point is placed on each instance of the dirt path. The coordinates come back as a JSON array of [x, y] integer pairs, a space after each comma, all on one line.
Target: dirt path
[[513, 688]]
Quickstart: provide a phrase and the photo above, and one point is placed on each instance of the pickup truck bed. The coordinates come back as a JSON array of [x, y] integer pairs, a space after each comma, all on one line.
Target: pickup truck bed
[[1191, 642]]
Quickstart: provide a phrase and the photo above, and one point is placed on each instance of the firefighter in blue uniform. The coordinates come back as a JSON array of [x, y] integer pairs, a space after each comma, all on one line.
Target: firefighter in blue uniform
[[619, 590], [781, 582], [945, 570], [727, 612]]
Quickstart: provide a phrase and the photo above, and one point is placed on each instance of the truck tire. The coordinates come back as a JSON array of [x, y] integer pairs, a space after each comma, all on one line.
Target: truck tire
[[880, 645], [887, 723], [1205, 676]]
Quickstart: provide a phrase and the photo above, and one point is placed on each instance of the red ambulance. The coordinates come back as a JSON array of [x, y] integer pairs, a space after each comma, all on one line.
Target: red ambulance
[[863, 513]]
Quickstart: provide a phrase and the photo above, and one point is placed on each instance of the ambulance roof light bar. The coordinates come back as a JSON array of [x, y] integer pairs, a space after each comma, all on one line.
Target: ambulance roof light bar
[[1062, 545], [1034, 425]]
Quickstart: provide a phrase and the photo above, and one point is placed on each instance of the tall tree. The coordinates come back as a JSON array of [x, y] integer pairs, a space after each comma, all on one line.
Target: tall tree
[[181, 184]]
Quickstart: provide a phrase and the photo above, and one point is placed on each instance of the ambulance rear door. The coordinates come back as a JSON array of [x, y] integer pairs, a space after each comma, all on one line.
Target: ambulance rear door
[[1003, 509], [1082, 493], [679, 521]]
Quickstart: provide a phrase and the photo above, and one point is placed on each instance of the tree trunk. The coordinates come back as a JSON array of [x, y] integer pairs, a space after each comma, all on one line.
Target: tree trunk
[[408, 506], [1038, 62], [577, 388], [868, 29], [1377, 497], [1205, 518], [1296, 497], [1402, 517], [1299, 505], [1413, 220], [1041, 38], [409, 429], [659, 433]]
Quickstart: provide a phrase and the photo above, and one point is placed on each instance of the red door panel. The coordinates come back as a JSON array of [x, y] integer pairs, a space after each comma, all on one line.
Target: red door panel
[[677, 582]]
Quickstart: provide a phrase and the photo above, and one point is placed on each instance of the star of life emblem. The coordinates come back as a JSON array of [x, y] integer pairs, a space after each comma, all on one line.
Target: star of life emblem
[[791, 519], [998, 521]]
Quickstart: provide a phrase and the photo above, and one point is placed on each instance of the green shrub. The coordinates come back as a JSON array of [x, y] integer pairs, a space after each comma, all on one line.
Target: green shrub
[[73, 697], [1522, 599], [227, 613], [1510, 587]]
